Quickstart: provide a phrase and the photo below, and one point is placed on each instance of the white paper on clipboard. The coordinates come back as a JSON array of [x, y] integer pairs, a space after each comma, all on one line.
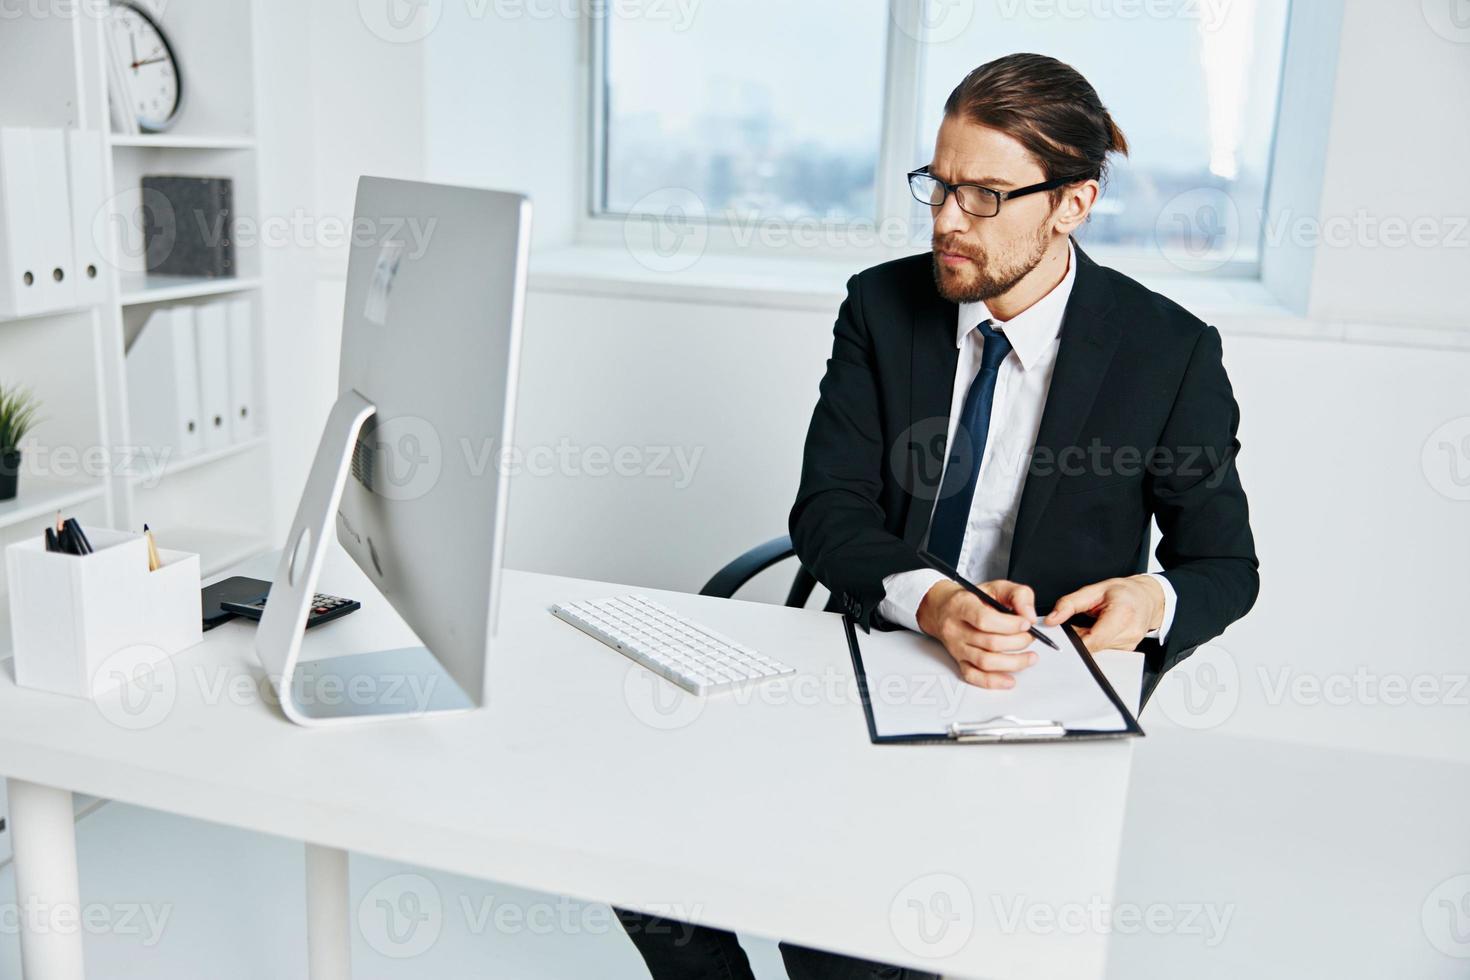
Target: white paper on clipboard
[[914, 688]]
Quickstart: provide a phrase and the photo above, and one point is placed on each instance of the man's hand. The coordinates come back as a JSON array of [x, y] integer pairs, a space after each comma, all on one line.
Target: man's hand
[[989, 646], [1124, 611]]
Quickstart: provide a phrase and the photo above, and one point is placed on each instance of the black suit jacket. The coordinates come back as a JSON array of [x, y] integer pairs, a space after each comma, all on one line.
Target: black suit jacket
[[1139, 422]]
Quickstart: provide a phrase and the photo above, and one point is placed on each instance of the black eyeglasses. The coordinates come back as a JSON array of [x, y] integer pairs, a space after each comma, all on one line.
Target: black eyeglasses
[[982, 202]]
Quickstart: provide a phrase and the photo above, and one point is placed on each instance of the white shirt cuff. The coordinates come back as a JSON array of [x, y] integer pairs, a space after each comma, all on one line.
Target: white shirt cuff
[[1170, 601], [902, 594]]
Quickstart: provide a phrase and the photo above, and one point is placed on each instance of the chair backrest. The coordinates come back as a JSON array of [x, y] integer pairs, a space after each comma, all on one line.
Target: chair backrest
[[802, 585], [728, 580]]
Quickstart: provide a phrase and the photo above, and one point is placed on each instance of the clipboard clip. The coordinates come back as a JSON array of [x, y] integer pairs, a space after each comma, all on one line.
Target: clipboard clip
[[1004, 727]]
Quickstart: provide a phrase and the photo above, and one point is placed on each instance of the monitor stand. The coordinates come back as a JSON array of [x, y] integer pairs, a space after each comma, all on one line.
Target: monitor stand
[[375, 685]]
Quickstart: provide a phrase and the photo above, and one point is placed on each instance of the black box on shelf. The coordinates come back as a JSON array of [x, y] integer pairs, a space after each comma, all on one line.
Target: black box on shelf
[[188, 226]]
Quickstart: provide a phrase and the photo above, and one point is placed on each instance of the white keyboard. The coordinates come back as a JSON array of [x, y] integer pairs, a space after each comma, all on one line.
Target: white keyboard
[[697, 659]]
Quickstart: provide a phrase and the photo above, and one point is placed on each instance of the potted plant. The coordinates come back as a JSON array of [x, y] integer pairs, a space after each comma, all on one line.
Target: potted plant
[[18, 408]]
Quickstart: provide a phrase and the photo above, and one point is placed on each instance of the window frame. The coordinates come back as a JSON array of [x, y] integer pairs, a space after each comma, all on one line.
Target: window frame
[[903, 70]]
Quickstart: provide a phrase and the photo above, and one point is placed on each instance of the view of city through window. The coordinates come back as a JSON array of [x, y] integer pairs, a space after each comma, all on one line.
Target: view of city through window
[[794, 134], [791, 132]]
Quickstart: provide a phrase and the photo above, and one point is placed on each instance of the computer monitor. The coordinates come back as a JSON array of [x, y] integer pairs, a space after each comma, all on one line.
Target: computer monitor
[[407, 475]]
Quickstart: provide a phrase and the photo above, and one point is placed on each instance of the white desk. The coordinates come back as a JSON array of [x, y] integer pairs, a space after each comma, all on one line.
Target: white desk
[[586, 777]]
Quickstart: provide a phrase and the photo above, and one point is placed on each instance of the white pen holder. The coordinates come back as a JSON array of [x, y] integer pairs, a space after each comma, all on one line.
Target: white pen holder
[[81, 625]]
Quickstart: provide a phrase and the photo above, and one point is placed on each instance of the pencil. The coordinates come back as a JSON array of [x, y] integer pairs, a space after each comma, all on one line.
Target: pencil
[[154, 562]]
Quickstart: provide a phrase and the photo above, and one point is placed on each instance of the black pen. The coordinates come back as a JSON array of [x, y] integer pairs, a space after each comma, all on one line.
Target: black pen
[[974, 590], [84, 547]]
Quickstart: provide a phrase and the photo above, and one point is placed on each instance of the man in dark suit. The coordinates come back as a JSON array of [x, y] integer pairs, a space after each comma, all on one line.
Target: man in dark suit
[[1023, 412], [1075, 406]]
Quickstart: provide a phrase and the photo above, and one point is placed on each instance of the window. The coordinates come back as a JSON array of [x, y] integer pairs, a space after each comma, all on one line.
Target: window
[[760, 107], [756, 109], [1194, 90]]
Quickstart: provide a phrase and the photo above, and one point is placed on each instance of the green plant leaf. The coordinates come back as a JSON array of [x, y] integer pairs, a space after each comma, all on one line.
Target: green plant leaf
[[19, 414]]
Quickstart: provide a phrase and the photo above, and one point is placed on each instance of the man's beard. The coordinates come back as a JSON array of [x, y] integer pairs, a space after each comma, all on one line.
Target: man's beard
[[987, 276]]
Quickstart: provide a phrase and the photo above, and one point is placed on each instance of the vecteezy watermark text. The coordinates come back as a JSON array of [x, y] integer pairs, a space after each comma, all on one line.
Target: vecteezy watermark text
[[92, 918], [1205, 920]]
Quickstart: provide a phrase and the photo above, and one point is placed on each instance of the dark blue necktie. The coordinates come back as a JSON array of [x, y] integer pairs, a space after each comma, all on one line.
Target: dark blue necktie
[[966, 450]]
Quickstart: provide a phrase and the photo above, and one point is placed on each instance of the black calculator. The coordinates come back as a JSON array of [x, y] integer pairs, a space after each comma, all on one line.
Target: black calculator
[[324, 608]]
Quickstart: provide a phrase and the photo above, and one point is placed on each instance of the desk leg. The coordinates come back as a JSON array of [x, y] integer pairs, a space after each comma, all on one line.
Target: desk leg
[[328, 921], [44, 837]]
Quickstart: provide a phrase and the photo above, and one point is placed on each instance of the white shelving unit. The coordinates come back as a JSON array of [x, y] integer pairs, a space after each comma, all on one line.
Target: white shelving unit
[[169, 141], [136, 290], [80, 458]]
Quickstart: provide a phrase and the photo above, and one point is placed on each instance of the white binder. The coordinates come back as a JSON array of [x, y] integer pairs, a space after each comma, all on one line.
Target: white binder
[[35, 223], [242, 370], [163, 386], [88, 224], [212, 343]]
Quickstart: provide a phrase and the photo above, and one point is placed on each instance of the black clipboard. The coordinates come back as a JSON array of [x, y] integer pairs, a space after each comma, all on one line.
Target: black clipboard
[[1008, 731]]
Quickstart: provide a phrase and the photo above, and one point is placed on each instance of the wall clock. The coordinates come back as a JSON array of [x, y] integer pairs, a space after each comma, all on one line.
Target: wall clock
[[155, 88]]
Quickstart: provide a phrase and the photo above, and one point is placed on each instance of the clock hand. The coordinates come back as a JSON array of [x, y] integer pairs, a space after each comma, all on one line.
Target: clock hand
[[133, 44], [150, 61]]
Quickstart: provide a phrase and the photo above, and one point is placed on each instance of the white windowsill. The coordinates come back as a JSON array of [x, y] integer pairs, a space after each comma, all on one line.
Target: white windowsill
[[1237, 306], [735, 280]]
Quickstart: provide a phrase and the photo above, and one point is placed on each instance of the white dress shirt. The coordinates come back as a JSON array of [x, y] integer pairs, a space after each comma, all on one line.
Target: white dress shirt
[[1015, 418]]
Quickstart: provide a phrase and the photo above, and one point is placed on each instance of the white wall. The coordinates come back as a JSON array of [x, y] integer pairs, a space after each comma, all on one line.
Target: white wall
[[338, 101], [1362, 552], [458, 98], [711, 400], [503, 93], [1400, 135]]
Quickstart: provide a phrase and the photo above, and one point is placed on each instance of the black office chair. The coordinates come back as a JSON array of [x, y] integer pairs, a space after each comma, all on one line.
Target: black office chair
[[728, 580]]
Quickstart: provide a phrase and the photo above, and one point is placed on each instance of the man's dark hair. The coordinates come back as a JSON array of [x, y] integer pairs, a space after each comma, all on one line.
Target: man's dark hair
[[1045, 105]]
